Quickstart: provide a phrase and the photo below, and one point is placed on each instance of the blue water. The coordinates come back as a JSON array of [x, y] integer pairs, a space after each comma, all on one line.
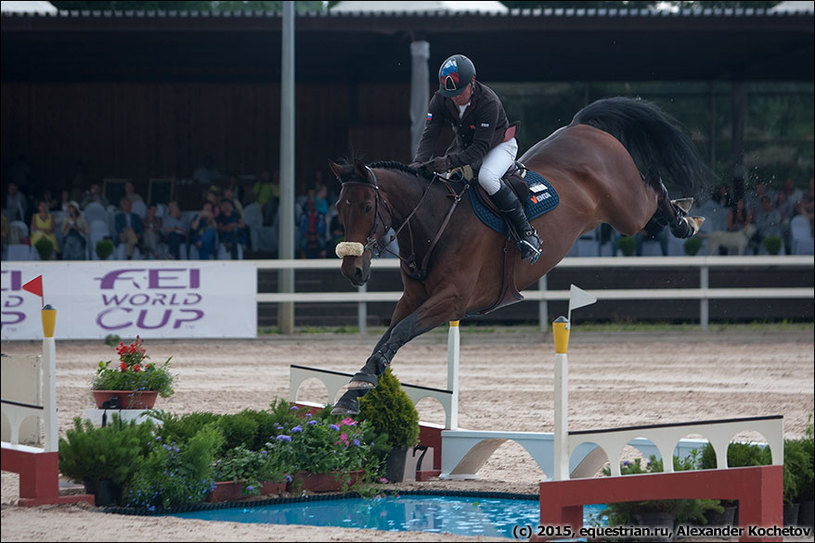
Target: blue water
[[491, 517]]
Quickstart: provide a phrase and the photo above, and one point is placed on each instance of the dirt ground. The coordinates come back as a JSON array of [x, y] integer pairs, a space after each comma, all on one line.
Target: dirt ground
[[616, 379]]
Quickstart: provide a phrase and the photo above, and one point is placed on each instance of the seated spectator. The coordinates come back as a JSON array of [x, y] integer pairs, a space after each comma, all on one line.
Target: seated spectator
[[739, 216], [174, 232], [312, 232], [74, 234], [212, 197], [768, 222], [16, 203], [321, 199], [203, 232], [230, 228], [229, 194], [267, 195], [65, 201], [131, 194], [129, 228], [807, 203], [43, 226], [234, 185], [152, 232], [94, 194]]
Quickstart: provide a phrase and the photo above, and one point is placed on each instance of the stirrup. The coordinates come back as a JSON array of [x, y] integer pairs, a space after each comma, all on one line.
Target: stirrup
[[533, 253]]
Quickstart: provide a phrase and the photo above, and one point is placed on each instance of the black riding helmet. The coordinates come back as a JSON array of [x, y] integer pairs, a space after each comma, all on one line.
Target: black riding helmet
[[454, 75]]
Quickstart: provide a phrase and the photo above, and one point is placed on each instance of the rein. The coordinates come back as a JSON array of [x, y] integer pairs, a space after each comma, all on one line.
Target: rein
[[372, 243]]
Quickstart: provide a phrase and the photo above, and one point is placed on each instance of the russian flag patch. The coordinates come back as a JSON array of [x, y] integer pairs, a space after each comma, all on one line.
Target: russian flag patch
[[429, 116]]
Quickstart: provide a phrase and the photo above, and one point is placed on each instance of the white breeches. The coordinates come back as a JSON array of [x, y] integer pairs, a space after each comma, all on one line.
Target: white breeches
[[496, 164]]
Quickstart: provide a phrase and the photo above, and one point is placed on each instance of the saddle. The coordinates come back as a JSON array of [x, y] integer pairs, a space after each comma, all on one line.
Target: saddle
[[538, 197]]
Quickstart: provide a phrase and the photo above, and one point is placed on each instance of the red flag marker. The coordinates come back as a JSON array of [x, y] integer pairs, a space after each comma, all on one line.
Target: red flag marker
[[35, 287]]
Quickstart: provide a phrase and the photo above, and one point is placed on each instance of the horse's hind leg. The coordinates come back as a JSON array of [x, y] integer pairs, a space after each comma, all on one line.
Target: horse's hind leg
[[674, 213]]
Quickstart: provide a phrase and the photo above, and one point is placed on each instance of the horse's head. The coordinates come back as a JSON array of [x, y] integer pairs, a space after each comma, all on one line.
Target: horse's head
[[360, 212]]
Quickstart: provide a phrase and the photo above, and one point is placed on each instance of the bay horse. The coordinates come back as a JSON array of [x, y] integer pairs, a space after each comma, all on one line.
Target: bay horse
[[453, 265]]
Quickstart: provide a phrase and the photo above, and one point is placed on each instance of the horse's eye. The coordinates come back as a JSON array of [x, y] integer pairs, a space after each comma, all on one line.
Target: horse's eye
[[368, 208]]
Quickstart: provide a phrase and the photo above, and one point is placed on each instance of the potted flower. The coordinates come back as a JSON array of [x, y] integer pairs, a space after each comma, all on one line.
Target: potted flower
[[243, 472], [104, 248], [135, 382], [390, 411]]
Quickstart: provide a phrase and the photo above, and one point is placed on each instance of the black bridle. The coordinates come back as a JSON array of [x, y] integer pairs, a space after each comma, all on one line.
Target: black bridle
[[372, 243]]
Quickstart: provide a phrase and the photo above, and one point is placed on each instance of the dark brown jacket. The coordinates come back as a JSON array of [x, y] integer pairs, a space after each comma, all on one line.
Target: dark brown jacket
[[483, 127]]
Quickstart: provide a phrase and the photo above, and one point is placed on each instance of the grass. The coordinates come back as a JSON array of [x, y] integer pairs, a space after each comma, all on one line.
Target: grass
[[584, 327]]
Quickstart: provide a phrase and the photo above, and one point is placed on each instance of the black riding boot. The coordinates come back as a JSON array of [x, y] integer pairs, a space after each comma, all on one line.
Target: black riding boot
[[513, 210]]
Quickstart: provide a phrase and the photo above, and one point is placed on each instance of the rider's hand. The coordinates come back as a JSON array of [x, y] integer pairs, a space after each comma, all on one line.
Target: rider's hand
[[438, 164]]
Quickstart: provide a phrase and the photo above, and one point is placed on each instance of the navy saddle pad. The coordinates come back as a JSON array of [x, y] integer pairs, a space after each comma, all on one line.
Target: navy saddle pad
[[542, 199]]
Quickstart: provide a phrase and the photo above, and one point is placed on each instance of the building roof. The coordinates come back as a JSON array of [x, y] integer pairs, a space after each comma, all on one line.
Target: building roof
[[518, 45]]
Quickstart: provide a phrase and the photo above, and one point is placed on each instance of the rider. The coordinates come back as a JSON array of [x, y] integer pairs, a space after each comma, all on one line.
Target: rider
[[483, 138]]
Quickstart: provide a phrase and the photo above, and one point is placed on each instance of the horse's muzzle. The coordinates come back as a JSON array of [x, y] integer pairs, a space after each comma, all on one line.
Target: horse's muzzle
[[356, 269]]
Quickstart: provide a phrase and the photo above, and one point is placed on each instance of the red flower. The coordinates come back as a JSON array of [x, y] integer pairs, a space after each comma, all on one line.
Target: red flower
[[136, 367], [123, 367]]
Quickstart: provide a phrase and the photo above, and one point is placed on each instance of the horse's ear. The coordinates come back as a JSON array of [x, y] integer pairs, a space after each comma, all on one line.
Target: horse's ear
[[336, 168], [361, 169]]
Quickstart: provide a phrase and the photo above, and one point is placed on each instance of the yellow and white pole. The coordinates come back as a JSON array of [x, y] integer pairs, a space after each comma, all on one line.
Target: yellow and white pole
[[560, 330], [453, 345], [49, 321]]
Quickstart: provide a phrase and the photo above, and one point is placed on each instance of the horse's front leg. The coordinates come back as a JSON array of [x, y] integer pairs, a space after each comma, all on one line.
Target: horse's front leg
[[432, 313]]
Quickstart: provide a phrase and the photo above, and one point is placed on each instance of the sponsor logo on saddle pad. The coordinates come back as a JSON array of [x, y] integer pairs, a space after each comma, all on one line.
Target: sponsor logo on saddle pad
[[543, 198]]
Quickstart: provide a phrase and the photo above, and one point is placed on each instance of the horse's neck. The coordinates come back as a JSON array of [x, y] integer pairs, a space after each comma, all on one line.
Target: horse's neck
[[406, 198]]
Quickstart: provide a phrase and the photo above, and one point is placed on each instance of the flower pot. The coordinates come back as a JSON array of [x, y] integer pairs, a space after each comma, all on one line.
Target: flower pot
[[105, 491], [127, 399], [806, 513], [395, 467], [662, 521], [791, 513], [324, 482], [226, 491], [725, 518]]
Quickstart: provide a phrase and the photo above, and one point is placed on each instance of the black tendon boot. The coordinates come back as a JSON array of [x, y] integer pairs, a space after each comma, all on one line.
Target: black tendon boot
[[512, 209]]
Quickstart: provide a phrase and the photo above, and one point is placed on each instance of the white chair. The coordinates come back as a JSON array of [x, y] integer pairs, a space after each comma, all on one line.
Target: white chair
[[801, 240], [95, 211], [98, 230], [18, 251], [139, 208]]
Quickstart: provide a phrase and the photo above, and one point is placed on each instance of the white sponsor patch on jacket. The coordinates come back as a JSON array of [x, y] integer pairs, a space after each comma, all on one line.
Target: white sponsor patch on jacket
[[485, 125]]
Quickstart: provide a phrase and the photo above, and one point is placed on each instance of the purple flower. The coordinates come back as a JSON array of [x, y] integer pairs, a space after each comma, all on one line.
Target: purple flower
[[250, 488], [283, 437], [311, 422], [626, 463], [383, 480], [297, 429], [294, 408], [355, 443], [288, 478], [263, 452], [335, 427], [309, 415]]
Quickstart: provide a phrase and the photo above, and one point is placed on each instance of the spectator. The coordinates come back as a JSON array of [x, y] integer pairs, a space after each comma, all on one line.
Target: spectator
[[174, 232], [234, 185], [754, 198], [722, 196], [152, 232], [43, 226], [212, 197], [230, 228], [739, 216], [267, 195], [321, 199], [74, 234], [229, 194], [768, 222], [203, 232], [16, 203], [793, 193], [94, 194], [808, 202], [312, 232], [129, 228], [65, 201], [131, 194]]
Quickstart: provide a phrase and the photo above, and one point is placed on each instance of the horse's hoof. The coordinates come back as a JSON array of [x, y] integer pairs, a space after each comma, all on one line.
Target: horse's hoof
[[683, 203], [347, 404], [695, 223], [360, 385]]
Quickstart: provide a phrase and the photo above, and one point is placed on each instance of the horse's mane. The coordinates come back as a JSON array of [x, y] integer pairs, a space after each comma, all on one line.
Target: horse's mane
[[349, 173]]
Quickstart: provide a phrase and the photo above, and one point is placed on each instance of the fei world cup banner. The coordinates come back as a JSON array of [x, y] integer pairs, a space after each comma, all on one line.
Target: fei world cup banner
[[152, 299]]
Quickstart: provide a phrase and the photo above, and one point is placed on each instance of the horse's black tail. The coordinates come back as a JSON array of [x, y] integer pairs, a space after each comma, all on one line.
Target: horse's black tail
[[655, 140]]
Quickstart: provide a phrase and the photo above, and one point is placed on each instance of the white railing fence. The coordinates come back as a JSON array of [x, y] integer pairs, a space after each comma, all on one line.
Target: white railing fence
[[703, 263]]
